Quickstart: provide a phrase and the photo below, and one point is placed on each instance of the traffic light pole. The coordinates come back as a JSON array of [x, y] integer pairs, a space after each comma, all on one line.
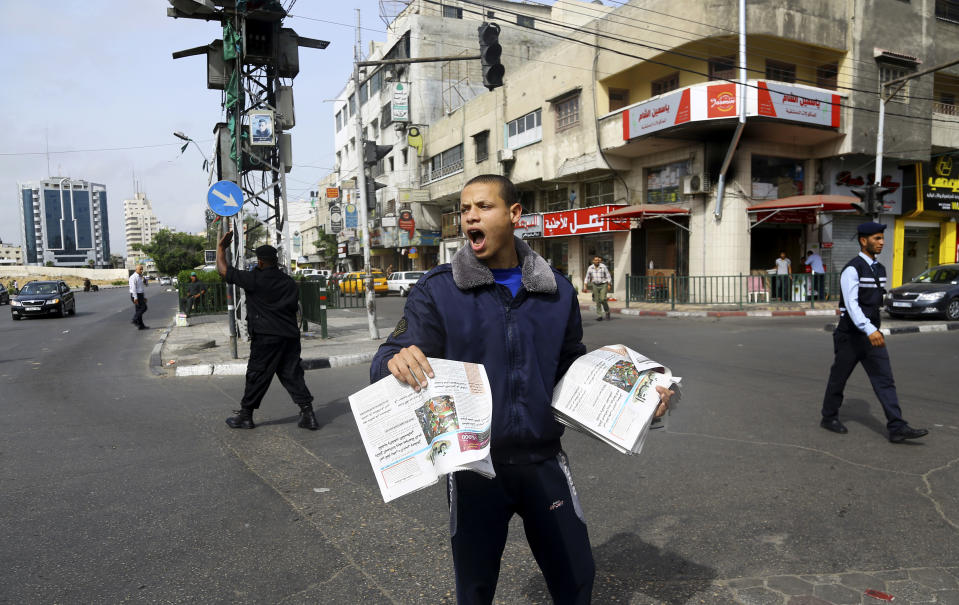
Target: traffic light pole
[[364, 214]]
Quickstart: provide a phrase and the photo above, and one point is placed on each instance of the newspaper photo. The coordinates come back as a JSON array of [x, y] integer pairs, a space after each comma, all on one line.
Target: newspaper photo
[[610, 394], [412, 438]]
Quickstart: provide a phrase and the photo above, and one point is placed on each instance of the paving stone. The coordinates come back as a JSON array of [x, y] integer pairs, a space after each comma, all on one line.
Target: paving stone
[[914, 592], [758, 595], [790, 585], [932, 577], [837, 594], [862, 581], [807, 600], [947, 597], [744, 582]]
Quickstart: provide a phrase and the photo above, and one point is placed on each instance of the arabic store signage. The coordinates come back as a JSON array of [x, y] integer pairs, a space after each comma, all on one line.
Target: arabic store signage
[[704, 102], [584, 220], [529, 225], [940, 184]]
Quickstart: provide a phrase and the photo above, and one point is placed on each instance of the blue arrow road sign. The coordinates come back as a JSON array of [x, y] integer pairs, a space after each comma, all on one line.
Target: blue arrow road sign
[[225, 198]]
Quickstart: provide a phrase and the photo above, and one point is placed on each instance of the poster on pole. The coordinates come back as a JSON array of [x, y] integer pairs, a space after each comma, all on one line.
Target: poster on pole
[[262, 128]]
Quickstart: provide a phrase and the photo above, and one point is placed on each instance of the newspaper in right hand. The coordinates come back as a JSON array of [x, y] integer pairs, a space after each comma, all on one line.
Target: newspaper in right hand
[[610, 394]]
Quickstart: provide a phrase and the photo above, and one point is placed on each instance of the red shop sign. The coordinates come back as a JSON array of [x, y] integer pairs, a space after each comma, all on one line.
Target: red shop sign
[[584, 220]]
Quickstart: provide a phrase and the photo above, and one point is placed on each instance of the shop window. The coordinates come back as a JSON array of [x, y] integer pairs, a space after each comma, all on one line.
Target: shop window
[[779, 71], [481, 146], [827, 76], [664, 184], [722, 68], [618, 98], [776, 178], [598, 192], [557, 199], [567, 112], [664, 85]]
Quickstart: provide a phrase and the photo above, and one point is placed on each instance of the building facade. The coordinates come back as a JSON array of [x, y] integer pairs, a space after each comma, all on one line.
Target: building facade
[[65, 222], [10, 254], [141, 225]]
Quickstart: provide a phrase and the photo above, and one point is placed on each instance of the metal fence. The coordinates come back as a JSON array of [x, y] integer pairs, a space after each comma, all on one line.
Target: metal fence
[[212, 302], [740, 290]]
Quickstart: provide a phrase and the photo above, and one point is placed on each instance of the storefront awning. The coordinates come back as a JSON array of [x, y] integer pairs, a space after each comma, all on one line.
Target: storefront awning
[[800, 209], [641, 211]]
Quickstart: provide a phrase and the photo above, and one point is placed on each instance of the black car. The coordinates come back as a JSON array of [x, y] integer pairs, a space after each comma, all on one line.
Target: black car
[[4, 295], [39, 298], [934, 292]]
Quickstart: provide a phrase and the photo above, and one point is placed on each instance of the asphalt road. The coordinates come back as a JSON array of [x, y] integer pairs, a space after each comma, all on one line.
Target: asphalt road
[[118, 486]]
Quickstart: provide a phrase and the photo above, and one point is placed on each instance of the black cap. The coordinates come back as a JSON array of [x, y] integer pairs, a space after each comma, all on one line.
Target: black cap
[[871, 228], [266, 252]]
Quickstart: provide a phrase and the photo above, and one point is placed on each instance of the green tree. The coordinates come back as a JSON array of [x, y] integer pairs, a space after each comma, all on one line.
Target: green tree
[[326, 245], [117, 262], [173, 252]]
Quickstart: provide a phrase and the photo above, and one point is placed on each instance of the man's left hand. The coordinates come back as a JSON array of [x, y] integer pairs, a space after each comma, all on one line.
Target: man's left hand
[[664, 395]]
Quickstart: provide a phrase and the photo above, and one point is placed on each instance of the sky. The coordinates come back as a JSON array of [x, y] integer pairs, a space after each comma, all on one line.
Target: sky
[[95, 84]]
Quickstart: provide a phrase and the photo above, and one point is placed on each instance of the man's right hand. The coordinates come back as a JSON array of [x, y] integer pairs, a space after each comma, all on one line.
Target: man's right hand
[[410, 366], [876, 339], [226, 239]]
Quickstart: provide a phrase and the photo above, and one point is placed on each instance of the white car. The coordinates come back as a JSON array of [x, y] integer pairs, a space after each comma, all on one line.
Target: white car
[[402, 281]]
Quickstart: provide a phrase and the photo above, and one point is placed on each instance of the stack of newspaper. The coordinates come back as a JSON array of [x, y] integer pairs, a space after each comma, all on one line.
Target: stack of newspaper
[[412, 438], [610, 394]]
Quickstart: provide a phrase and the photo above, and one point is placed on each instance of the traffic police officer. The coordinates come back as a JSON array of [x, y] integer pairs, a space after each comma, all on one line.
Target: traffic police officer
[[857, 338], [272, 298]]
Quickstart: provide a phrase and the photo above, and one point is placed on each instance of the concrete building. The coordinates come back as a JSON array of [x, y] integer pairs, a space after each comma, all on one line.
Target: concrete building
[[64, 221], [141, 225], [398, 103], [641, 110], [10, 254]]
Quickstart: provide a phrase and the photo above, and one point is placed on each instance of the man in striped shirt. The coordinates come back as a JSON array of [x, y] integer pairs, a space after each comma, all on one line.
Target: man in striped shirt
[[600, 280]]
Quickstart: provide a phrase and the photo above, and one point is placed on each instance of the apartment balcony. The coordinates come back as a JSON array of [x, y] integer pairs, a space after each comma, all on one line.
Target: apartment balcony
[[431, 176], [945, 130]]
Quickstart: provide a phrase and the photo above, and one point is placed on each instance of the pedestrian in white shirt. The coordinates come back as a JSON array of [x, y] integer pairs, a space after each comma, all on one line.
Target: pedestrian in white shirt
[[783, 271], [600, 280], [139, 298]]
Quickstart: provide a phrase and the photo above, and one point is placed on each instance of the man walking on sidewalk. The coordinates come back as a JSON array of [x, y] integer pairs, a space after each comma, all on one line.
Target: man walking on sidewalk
[[600, 280], [139, 297], [857, 339], [272, 298]]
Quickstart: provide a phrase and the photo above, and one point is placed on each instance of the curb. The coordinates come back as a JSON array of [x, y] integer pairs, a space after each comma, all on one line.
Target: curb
[[156, 362], [238, 368], [760, 313], [910, 329]]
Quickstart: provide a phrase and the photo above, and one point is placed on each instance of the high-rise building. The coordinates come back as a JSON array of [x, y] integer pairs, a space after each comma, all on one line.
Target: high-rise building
[[140, 225], [64, 221]]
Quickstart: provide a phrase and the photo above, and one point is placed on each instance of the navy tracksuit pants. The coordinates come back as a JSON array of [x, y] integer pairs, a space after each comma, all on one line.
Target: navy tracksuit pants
[[852, 348], [543, 495]]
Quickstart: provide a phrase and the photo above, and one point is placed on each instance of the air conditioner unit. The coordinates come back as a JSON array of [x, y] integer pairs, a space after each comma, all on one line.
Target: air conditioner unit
[[695, 183], [504, 155]]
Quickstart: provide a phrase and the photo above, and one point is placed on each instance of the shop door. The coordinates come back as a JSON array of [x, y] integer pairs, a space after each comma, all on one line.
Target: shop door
[[557, 255], [599, 246], [920, 251], [768, 241]]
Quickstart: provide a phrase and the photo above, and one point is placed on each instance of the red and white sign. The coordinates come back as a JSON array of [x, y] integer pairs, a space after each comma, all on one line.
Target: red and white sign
[[582, 221], [657, 114], [777, 100], [721, 101], [529, 225], [406, 222], [332, 193]]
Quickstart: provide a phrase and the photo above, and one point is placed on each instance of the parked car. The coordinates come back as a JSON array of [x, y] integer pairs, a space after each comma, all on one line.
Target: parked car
[[355, 283], [38, 298], [402, 281], [165, 281], [4, 295], [933, 292]]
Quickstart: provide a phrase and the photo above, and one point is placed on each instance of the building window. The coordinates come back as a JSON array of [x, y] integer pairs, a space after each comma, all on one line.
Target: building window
[[525, 130], [827, 76], [776, 177], [481, 146], [352, 104], [779, 71], [444, 164], [386, 115], [618, 98], [947, 10], [452, 12], [567, 112], [339, 121], [663, 183], [557, 199], [376, 82], [364, 92], [404, 156], [664, 85], [598, 192], [889, 72], [392, 165], [374, 128], [722, 68], [490, 15], [525, 21]]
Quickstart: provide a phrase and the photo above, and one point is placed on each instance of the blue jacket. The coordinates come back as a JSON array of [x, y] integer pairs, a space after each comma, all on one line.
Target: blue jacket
[[457, 311]]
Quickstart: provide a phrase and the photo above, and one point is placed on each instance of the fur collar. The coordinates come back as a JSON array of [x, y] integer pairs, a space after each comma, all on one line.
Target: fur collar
[[469, 272]]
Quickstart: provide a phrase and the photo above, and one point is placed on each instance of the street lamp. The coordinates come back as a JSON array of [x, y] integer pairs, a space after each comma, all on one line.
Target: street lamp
[[188, 140]]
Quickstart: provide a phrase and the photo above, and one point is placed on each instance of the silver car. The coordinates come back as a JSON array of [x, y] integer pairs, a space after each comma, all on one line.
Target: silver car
[[402, 281]]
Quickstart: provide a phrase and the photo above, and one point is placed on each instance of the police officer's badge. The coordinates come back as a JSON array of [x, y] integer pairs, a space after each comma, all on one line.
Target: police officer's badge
[[401, 327]]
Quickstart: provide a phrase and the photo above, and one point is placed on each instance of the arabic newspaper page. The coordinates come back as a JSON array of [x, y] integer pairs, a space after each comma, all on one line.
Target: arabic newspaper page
[[413, 438], [610, 394]]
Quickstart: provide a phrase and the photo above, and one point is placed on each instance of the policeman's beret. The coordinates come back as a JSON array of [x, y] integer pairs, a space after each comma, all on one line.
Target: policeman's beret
[[266, 252], [871, 228]]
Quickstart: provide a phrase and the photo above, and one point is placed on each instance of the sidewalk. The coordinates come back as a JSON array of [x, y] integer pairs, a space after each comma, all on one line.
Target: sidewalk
[[664, 309]]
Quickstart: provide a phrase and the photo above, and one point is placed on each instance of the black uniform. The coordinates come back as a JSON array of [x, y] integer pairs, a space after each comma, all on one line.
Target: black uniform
[[852, 346], [271, 298]]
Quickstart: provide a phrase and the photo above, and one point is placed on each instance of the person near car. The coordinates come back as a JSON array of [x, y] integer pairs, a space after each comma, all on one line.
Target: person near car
[[599, 279], [195, 290], [139, 298], [272, 299], [500, 304], [818, 270], [857, 338]]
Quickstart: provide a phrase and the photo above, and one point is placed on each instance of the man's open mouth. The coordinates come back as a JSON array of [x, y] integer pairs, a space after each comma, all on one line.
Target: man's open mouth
[[477, 238]]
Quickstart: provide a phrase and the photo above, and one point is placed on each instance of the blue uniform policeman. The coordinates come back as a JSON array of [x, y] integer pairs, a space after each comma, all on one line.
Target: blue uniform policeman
[[500, 304], [857, 338]]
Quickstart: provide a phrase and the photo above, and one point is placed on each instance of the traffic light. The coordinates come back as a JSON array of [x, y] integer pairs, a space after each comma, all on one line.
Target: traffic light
[[371, 188], [490, 53], [871, 196], [373, 153]]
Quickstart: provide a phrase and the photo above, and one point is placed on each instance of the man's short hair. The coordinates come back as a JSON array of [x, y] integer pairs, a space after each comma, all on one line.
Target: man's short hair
[[507, 190], [267, 253]]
